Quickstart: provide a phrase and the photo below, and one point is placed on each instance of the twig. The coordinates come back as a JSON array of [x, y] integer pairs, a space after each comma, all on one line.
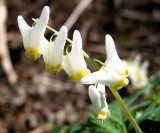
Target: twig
[[4, 51], [76, 13]]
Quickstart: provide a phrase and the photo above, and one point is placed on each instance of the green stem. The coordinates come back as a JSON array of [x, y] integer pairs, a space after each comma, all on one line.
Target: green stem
[[125, 109], [70, 41], [52, 29], [100, 62], [67, 49], [52, 37], [93, 63]]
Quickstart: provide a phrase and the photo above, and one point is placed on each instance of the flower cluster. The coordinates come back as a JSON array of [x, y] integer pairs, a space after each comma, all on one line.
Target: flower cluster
[[113, 74], [138, 72], [36, 44]]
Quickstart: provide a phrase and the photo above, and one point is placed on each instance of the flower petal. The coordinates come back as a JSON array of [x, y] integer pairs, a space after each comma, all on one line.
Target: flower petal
[[41, 24], [33, 38], [113, 61], [61, 39], [95, 97], [77, 43], [138, 72], [101, 88], [103, 76], [76, 54], [110, 48], [74, 63], [23, 26], [53, 53], [99, 102]]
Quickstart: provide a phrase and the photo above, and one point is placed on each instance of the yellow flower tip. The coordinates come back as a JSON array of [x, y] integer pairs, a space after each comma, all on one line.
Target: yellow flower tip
[[53, 69], [120, 84], [101, 116], [33, 54], [77, 76], [126, 74]]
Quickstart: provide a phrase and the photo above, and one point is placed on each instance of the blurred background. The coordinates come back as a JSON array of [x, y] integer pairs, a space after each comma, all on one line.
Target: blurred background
[[30, 96]]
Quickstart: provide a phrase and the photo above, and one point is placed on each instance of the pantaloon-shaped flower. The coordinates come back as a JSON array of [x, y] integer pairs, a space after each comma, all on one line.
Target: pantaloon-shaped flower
[[53, 52], [114, 73], [74, 63], [98, 98], [33, 37], [138, 72], [112, 59]]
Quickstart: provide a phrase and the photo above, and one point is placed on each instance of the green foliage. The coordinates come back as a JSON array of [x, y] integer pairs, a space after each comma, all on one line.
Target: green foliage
[[155, 116], [146, 113]]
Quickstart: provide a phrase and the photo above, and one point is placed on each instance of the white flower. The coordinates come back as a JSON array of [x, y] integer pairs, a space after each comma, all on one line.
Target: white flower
[[112, 60], [33, 37], [138, 72], [114, 73], [98, 98], [74, 63], [53, 52]]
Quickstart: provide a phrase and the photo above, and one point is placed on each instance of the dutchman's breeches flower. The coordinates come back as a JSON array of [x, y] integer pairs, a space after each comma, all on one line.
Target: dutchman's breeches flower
[[53, 52], [33, 37], [138, 72], [112, 59], [114, 73], [74, 63], [98, 98]]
